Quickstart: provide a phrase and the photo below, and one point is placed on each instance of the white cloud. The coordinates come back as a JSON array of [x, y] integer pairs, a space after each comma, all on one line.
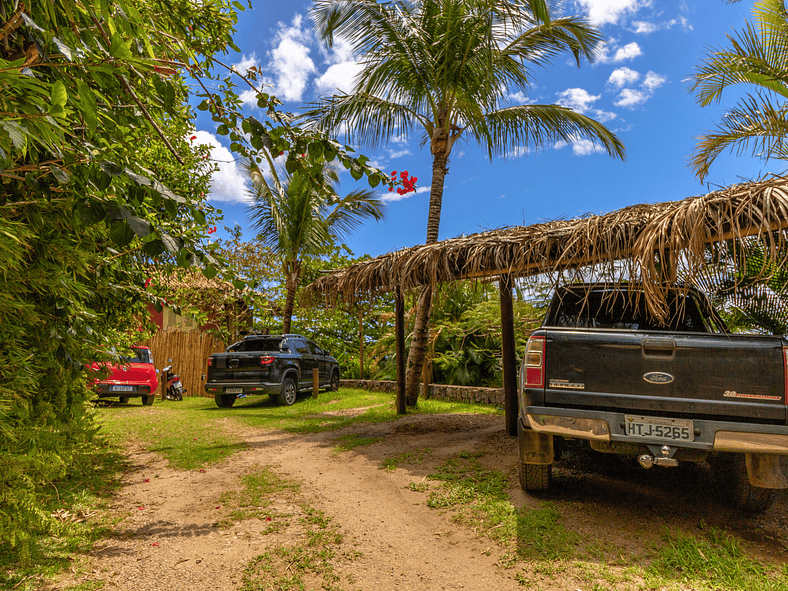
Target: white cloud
[[581, 147], [653, 81], [611, 12], [630, 97], [644, 27], [628, 52], [577, 99], [247, 63], [339, 78], [621, 77], [603, 116], [290, 60], [399, 153], [228, 183], [390, 197]]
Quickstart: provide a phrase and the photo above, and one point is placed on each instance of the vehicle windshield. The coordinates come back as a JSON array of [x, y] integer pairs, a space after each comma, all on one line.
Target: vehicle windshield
[[270, 345]]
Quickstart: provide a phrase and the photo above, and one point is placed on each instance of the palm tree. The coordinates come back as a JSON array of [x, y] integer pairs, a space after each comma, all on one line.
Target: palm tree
[[445, 68], [295, 220], [758, 55]]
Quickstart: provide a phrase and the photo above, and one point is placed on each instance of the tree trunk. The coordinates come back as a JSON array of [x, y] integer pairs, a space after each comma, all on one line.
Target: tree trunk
[[421, 326], [292, 272]]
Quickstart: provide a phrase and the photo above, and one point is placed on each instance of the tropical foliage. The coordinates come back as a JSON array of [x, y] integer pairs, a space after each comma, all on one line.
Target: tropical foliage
[[756, 56], [99, 177], [446, 69], [295, 220]]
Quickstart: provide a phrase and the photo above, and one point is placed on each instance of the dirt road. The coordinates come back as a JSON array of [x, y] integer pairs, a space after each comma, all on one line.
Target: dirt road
[[392, 540]]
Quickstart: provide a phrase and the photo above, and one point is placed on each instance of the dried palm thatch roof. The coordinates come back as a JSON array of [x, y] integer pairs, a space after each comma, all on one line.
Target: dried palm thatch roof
[[646, 243]]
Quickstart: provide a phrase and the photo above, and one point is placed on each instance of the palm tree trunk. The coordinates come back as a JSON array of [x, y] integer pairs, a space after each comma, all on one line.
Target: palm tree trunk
[[421, 326], [292, 273]]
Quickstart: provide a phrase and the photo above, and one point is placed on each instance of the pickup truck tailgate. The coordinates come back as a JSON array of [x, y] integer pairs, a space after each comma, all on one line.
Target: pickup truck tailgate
[[711, 375], [228, 367]]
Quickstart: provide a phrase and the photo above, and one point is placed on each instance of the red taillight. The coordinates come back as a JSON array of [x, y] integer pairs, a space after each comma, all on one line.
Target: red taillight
[[210, 362], [266, 360], [534, 363]]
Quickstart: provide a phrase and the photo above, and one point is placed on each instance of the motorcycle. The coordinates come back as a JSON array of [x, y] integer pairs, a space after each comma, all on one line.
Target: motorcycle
[[173, 389]]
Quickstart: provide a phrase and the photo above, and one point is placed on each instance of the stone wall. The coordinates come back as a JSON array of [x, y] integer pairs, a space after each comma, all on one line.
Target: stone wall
[[471, 394]]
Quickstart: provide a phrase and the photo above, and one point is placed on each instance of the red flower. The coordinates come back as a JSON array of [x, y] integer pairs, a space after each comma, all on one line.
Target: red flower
[[155, 544], [194, 137], [147, 283]]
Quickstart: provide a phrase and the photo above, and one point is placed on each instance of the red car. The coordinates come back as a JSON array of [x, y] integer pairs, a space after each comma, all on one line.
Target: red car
[[136, 378]]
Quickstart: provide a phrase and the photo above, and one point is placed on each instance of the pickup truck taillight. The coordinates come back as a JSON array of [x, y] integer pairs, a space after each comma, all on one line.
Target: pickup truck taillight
[[266, 360], [534, 362], [210, 361]]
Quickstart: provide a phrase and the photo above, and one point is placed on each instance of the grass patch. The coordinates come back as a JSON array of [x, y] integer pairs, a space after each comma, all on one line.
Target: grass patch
[[415, 456], [542, 536], [307, 565], [352, 441], [254, 498], [76, 509], [717, 561]]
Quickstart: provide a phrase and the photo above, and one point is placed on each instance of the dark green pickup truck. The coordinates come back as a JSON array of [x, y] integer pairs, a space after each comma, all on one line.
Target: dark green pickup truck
[[602, 372], [278, 365]]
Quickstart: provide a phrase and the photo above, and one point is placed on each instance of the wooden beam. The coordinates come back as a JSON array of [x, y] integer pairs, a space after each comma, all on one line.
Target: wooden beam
[[509, 354], [399, 306]]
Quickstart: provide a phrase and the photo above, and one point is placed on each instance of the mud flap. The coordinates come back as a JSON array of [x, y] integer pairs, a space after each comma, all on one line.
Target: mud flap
[[764, 471], [535, 448]]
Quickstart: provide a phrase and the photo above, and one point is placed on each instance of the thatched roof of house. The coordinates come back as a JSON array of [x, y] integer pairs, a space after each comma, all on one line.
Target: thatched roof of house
[[637, 242]]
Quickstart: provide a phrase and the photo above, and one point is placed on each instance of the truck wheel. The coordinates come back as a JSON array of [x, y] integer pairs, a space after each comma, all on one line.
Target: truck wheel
[[335, 382], [536, 477], [148, 400], [745, 495], [224, 400], [287, 396], [123, 399]]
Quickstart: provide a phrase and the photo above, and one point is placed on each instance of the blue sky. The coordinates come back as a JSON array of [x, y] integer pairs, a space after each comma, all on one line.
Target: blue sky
[[638, 89]]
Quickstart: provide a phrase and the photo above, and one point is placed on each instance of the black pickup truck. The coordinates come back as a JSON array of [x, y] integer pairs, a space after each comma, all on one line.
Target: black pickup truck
[[602, 372], [278, 365]]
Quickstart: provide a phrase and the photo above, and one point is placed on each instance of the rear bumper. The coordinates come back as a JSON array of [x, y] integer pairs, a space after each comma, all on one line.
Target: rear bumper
[[108, 391], [247, 388], [709, 435]]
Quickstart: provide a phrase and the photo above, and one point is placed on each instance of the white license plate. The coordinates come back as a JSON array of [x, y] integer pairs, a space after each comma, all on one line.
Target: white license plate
[[121, 388], [233, 390], [657, 428]]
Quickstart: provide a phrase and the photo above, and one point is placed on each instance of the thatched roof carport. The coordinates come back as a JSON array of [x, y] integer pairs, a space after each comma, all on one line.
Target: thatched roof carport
[[645, 243]]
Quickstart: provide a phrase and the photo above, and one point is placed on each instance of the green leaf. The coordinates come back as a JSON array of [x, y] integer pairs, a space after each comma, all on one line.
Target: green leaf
[[119, 48], [154, 248], [89, 107], [356, 172], [59, 95], [140, 227], [16, 132], [239, 284], [209, 271], [291, 165], [121, 234], [60, 175]]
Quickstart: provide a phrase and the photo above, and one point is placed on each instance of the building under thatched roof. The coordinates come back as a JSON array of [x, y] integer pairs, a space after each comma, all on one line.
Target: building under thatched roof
[[646, 243]]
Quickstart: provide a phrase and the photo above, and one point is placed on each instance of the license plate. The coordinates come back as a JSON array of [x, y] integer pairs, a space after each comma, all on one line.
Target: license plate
[[656, 428], [233, 390], [121, 388]]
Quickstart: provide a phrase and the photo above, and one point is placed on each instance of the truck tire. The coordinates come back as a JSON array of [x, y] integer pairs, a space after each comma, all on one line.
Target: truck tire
[[224, 400], [287, 396], [148, 400], [745, 495], [123, 399], [335, 381], [536, 477]]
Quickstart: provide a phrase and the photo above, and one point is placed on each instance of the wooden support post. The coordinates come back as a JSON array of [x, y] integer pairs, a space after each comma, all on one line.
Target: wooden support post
[[399, 306], [315, 382], [509, 354]]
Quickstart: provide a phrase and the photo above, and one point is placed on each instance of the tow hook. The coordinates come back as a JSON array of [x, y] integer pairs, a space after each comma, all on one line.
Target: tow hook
[[663, 459]]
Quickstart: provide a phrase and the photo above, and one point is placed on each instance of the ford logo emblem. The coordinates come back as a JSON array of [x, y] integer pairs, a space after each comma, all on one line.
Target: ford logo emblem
[[657, 377]]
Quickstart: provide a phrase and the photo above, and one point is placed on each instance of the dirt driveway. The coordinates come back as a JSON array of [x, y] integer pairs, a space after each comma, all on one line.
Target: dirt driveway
[[391, 539]]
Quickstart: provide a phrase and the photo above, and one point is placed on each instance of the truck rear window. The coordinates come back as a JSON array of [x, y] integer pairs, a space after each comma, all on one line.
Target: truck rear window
[[270, 345], [609, 309]]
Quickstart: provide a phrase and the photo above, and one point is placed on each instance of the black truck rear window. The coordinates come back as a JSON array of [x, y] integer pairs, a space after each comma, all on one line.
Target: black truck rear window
[[269, 345], [624, 310]]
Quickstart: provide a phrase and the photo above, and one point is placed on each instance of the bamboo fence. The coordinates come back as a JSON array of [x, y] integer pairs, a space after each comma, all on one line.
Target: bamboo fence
[[189, 352]]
